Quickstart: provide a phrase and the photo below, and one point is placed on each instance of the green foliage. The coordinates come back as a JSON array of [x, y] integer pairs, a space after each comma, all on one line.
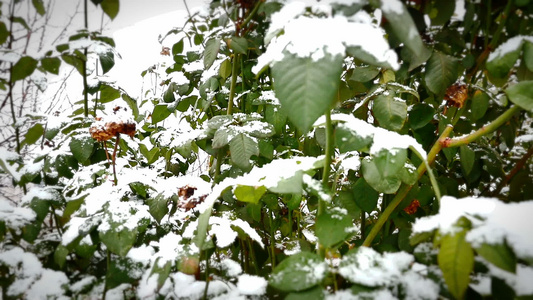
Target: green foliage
[[316, 175]]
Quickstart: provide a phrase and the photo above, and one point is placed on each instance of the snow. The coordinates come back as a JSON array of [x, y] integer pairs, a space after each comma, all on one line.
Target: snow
[[31, 279], [370, 268], [392, 6], [491, 222], [383, 139], [512, 44], [316, 37], [231, 267], [15, 217], [251, 285]]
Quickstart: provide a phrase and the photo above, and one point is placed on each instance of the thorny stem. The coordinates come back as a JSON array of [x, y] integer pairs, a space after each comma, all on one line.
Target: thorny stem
[[252, 13], [404, 189], [233, 83], [492, 126]]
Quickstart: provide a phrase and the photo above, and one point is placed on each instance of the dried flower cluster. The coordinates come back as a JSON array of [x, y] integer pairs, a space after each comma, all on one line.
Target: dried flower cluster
[[456, 94], [106, 128], [187, 199]]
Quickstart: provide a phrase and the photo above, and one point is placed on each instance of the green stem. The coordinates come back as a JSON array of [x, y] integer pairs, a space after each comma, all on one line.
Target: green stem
[[252, 254], [233, 83], [363, 221], [252, 13], [404, 189], [114, 159], [84, 67], [107, 271], [272, 240], [492, 126], [327, 170]]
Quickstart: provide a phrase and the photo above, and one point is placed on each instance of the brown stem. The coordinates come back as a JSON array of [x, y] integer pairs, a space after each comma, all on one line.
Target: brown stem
[[519, 165]]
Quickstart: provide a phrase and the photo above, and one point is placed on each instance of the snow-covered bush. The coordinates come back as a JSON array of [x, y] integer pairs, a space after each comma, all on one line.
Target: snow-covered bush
[[321, 149]]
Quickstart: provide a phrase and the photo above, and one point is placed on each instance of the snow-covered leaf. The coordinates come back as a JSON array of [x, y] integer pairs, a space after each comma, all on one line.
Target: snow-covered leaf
[[332, 226], [307, 86], [119, 239], [158, 207], [242, 147], [298, 272], [81, 147]]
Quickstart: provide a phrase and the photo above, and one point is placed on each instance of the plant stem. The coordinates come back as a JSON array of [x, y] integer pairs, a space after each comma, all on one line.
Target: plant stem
[[404, 189], [206, 274], [326, 171], [252, 254], [233, 82], [107, 271], [84, 67], [114, 158], [272, 240], [492, 126], [519, 165], [252, 13]]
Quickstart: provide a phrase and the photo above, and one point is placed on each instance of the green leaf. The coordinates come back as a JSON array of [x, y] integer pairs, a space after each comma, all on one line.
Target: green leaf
[[381, 171], [51, 64], [60, 255], [441, 71], [132, 103], [123, 270], [250, 194], [298, 272], [108, 93], [332, 227], [118, 242], [307, 87], [4, 33], [408, 173], [441, 12], [168, 95], [242, 147], [420, 115], [107, 60], [198, 39], [238, 45], [81, 147], [456, 261], [364, 74], [33, 134], [225, 69], [177, 47], [277, 117], [158, 207], [365, 196], [160, 113], [349, 140], [403, 26], [521, 95], [23, 68], [110, 8], [162, 272], [152, 155], [502, 60], [211, 51], [315, 293], [499, 255], [389, 112], [467, 157], [480, 104], [528, 55]]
